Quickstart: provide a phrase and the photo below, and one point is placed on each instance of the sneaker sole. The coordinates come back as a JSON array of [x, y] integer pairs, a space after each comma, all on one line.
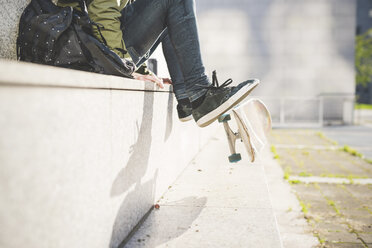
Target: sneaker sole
[[226, 106], [187, 118]]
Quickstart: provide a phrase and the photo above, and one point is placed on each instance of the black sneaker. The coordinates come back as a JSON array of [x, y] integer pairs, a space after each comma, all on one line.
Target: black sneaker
[[184, 110], [220, 99]]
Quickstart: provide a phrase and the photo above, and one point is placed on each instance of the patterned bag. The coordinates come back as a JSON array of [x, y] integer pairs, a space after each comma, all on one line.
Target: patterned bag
[[63, 37]]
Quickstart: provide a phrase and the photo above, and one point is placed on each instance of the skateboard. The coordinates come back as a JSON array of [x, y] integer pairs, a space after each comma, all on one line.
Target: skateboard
[[253, 122]]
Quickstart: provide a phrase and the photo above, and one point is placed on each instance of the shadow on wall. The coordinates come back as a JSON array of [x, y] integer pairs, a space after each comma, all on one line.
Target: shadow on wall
[[131, 177], [121, 226], [169, 119], [137, 164], [132, 173]]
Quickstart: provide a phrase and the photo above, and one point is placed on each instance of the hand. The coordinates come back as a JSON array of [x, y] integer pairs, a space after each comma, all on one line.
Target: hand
[[167, 81], [151, 77]]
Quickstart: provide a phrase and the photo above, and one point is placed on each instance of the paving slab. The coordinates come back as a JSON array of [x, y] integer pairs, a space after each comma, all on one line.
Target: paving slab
[[358, 137], [324, 163]]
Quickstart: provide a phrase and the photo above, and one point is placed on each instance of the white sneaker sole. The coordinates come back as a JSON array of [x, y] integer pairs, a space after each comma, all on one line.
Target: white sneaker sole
[[229, 104], [187, 118]]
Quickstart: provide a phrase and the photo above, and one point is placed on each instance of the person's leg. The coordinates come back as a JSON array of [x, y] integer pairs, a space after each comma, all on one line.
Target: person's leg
[[184, 109], [174, 69], [144, 20]]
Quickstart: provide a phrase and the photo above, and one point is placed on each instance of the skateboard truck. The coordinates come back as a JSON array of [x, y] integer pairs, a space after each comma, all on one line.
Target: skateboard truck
[[254, 124], [231, 138]]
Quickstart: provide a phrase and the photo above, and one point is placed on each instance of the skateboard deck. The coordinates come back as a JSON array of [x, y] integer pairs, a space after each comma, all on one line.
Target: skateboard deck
[[253, 123]]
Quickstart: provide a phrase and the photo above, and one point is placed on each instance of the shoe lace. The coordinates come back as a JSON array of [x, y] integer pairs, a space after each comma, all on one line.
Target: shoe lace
[[215, 83]]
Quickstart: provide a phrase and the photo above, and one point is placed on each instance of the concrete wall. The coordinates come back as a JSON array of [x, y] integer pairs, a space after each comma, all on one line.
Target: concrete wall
[[299, 49], [10, 12], [84, 156]]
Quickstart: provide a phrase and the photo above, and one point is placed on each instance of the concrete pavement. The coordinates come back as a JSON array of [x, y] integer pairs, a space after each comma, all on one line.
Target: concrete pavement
[[331, 183], [217, 204], [294, 229]]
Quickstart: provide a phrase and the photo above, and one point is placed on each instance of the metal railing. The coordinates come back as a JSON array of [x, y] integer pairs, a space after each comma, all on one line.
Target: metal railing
[[317, 111]]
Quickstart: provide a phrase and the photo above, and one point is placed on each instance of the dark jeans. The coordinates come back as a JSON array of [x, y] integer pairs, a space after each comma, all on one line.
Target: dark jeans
[[144, 21]]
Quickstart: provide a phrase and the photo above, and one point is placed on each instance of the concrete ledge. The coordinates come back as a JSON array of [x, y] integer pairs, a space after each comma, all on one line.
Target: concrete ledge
[[30, 74], [84, 156]]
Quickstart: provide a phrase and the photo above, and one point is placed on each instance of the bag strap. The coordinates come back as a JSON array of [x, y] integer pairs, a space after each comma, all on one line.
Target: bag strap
[[83, 6], [109, 65]]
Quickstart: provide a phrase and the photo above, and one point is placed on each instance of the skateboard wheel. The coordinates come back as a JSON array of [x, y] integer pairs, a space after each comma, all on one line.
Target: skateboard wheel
[[233, 158], [224, 118]]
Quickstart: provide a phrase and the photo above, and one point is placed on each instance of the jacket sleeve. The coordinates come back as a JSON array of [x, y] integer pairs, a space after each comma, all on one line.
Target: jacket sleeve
[[107, 13]]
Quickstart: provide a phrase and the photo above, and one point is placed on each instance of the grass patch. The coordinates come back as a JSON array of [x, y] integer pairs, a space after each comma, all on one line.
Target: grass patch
[[355, 153], [322, 136], [368, 160], [317, 235], [333, 205], [294, 181], [305, 207], [306, 153], [333, 175], [287, 172], [305, 174], [351, 179], [275, 153], [351, 151], [321, 240], [363, 106]]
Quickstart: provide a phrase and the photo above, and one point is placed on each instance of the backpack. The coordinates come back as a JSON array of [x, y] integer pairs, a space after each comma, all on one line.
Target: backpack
[[63, 37]]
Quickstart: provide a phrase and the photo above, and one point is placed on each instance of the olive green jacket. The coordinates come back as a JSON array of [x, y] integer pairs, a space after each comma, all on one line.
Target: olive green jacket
[[107, 14]]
